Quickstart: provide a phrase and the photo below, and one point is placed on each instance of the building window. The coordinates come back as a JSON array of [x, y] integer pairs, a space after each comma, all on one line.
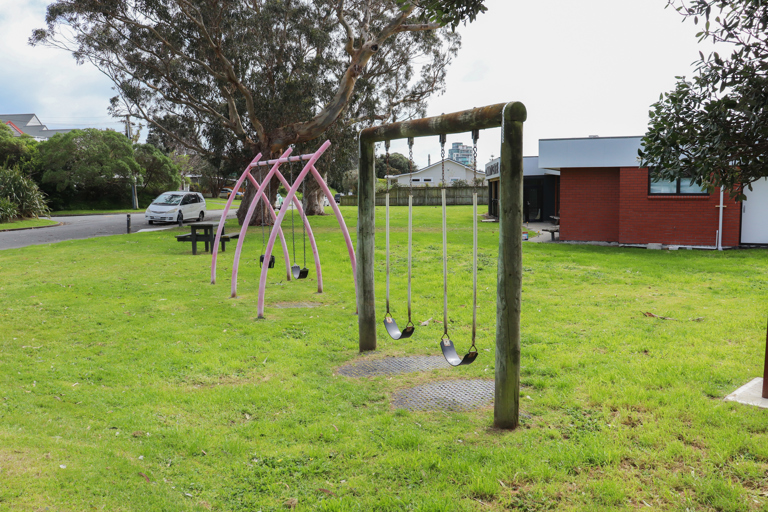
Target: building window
[[427, 180], [416, 179], [454, 179], [680, 186]]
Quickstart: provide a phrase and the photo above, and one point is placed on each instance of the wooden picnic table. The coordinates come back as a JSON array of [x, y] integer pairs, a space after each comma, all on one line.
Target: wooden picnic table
[[208, 236]]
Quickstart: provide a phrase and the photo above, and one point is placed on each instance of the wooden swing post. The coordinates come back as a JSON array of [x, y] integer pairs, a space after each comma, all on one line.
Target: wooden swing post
[[510, 116]]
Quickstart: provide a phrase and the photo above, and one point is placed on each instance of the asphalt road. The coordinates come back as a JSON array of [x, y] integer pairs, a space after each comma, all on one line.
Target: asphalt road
[[87, 226]]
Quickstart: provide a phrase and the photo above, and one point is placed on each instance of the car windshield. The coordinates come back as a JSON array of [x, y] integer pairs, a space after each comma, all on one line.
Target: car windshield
[[168, 199]]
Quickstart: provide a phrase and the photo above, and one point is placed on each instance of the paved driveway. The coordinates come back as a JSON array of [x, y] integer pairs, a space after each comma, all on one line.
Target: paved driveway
[[87, 226]]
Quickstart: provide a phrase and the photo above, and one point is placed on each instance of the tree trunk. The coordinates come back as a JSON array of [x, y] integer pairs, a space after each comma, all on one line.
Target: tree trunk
[[313, 200], [261, 215]]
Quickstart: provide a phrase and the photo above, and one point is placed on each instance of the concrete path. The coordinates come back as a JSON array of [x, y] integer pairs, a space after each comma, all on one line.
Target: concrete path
[[544, 237], [88, 226]]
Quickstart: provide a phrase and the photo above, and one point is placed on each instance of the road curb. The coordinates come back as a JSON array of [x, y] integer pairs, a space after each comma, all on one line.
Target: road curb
[[33, 227]]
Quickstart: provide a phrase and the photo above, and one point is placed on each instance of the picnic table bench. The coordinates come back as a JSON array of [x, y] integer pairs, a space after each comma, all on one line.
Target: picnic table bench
[[554, 229], [208, 236]]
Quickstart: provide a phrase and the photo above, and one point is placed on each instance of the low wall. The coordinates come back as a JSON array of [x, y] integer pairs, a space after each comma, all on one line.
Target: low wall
[[426, 196]]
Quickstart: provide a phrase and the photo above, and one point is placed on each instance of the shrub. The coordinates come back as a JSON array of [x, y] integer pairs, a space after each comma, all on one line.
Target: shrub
[[8, 210], [23, 192]]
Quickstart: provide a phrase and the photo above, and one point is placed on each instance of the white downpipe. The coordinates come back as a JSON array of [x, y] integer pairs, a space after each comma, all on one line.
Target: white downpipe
[[720, 223]]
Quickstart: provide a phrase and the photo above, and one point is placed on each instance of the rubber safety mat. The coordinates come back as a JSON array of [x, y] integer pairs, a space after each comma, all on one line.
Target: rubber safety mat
[[455, 395], [393, 366]]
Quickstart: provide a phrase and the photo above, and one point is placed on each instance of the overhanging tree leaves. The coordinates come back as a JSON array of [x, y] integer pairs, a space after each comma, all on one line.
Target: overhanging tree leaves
[[714, 128], [243, 77]]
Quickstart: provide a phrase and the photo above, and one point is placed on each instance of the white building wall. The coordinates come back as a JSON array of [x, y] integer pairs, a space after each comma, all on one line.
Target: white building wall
[[432, 175]]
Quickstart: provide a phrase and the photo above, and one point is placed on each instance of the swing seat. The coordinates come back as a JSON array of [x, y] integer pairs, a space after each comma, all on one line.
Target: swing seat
[[449, 352], [394, 331], [299, 273], [271, 261]]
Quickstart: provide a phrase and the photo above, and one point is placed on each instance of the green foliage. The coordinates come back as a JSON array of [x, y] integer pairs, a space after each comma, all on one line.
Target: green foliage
[[449, 12], [398, 164], [8, 210], [90, 162], [17, 151], [23, 193], [713, 128], [158, 171]]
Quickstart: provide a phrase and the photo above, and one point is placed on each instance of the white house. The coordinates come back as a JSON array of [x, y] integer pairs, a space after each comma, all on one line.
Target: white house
[[29, 124], [431, 176]]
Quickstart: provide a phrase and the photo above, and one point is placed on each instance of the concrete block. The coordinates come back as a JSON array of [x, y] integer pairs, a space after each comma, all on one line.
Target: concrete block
[[656, 247], [750, 394]]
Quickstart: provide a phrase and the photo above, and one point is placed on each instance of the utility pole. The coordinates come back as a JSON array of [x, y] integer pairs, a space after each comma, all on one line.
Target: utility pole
[[129, 134]]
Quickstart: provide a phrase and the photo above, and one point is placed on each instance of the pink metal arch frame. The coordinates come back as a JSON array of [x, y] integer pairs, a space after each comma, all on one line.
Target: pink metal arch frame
[[309, 167], [220, 229], [223, 219], [251, 210], [244, 229], [310, 234]]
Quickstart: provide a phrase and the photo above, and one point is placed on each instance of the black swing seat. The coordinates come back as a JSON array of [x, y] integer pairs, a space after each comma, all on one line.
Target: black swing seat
[[299, 273], [271, 261], [449, 352], [394, 331]]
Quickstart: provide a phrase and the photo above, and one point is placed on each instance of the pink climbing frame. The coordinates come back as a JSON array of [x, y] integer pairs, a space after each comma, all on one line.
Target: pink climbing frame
[[278, 219], [261, 195], [223, 219]]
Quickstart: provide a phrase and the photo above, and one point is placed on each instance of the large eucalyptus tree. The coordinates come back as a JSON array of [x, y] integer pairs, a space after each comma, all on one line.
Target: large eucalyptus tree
[[241, 77]]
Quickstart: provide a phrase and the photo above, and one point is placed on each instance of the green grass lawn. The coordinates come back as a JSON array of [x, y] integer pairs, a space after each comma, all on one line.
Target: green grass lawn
[[26, 224], [128, 382]]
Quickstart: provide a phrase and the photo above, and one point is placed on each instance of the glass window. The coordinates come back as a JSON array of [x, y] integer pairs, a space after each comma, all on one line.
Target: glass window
[[416, 179], [664, 187], [427, 179], [690, 187], [679, 186]]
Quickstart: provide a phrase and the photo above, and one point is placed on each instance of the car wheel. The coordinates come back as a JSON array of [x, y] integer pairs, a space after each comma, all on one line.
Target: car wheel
[[201, 217], [180, 219], [151, 222]]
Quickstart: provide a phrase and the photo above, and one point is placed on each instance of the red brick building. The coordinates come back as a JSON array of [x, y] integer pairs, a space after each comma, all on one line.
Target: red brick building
[[606, 197]]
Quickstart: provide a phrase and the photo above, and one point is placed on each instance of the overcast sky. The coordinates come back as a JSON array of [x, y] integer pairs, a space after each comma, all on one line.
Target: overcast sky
[[591, 67]]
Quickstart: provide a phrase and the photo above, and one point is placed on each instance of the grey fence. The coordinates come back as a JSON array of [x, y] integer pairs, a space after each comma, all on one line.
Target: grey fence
[[426, 196]]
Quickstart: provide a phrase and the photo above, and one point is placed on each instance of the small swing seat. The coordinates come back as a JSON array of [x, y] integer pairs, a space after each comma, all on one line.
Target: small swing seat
[[449, 352], [299, 273], [271, 261], [394, 331]]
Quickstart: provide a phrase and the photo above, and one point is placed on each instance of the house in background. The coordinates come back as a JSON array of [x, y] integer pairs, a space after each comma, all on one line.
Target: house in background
[[431, 175], [541, 189], [30, 125], [606, 196]]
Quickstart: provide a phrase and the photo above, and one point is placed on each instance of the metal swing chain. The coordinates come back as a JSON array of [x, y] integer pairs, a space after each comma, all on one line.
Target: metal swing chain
[[410, 223], [445, 242], [386, 200], [475, 136]]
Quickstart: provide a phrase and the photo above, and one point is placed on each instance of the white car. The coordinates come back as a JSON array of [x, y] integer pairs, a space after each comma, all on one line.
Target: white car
[[176, 207]]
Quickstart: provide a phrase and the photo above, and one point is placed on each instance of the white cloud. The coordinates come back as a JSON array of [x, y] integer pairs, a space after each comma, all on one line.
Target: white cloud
[[47, 81]]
